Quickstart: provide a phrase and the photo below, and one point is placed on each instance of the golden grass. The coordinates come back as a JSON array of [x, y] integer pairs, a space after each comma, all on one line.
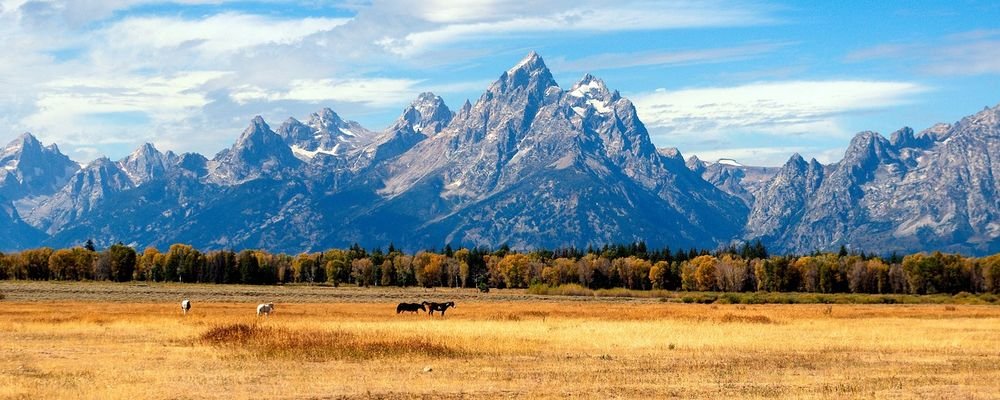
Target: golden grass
[[254, 340], [490, 349]]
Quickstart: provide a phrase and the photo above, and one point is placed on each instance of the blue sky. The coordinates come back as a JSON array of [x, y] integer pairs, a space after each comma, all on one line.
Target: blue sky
[[750, 80]]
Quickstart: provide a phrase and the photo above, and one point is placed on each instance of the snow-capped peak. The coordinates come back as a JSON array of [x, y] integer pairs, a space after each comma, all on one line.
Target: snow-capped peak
[[729, 161], [589, 86], [530, 62], [592, 91]]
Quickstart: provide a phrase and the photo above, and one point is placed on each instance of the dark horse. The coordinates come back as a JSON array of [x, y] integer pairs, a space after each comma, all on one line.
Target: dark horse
[[432, 307], [410, 307]]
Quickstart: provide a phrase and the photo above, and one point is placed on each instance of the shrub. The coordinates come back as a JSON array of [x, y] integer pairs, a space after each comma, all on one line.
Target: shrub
[[256, 340], [569, 289], [746, 319]]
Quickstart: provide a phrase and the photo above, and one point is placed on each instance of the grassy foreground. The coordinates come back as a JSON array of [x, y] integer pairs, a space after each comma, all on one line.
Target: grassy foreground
[[495, 347]]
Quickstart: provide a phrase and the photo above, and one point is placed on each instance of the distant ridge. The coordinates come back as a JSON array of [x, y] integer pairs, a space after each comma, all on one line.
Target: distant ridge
[[528, 164]]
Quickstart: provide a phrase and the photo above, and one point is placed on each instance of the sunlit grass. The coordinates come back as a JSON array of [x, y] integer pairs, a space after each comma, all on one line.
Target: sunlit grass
[[488, 349]]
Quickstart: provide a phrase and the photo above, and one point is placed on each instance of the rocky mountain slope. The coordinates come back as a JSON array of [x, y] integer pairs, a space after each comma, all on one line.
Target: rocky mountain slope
[[936, 189], [528, 164]]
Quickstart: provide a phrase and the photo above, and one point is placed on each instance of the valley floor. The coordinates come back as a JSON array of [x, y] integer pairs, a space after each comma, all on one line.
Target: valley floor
[[71, 340]]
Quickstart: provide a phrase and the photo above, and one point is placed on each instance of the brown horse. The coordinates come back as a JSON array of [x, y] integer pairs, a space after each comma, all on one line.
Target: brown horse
[[432, 307], [410, 307]]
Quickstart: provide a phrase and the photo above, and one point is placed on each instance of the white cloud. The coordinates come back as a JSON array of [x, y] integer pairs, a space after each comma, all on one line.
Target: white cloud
[[598, 62], [66, 108], [495, 19], [963, 54], [790, 107], [215, 35], [377, 92]]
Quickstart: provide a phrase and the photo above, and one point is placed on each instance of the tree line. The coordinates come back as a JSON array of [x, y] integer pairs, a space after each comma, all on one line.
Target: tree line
[[733, 269]]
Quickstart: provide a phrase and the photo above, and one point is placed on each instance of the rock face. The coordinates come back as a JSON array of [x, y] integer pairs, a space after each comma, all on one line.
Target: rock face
[[29, 170], [932, 190], [147, 163], [326, 134], [258, 153], [528, 164], [744, 182], [425, 117], [781, 202], [86, 190]]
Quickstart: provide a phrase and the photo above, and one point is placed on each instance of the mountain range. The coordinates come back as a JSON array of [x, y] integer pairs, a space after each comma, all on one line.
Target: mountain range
[[529, 164]]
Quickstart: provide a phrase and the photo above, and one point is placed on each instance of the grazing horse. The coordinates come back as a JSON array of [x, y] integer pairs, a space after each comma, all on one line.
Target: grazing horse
[[185, 306], [265, 309], [432, 307], [410, 307]]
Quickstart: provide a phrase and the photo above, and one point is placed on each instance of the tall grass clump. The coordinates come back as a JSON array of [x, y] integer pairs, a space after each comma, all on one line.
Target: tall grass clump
[[257, 340], [568, 289]]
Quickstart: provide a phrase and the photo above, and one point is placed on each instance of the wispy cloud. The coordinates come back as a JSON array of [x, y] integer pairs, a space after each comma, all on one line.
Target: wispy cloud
[[788, 107], [82, 110], [497, 19], [215, 35], [962, 54], [604, 61], [375, 91]]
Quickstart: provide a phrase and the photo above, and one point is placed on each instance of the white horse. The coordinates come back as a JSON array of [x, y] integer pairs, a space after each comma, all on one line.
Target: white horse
[[265, 309], [185, 306]]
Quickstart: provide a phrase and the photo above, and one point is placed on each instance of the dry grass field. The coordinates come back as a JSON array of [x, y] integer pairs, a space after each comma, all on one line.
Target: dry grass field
[[514, 345]]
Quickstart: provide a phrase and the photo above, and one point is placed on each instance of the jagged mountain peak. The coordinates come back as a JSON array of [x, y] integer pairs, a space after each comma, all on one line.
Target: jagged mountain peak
[[427, 97], [27, 168], [902, 137], [258, 132], [532, 62], [100, 162], [427, 114], [591, 87], [868, 144], [988, 116], [257, 125], [146, 163], [796, 159], [530, 73], [23, 143], [693, 163], [259, 151], [146, 148], [936, 131], [523, 166], [985, 123], [26, 138], [325, 120]]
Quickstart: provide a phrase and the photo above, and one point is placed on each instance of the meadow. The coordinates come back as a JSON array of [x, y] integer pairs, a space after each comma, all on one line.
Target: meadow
[[113, 341]]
